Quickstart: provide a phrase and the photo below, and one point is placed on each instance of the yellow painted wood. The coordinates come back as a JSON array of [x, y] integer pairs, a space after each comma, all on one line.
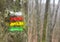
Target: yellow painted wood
[[17, 24]]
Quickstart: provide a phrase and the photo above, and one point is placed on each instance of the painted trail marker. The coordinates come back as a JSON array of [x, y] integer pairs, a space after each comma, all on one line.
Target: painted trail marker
[[19, 18], [16, 22], [16, 29]]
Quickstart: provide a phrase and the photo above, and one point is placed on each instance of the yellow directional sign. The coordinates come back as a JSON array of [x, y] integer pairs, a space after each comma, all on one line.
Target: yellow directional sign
[[17, 24]]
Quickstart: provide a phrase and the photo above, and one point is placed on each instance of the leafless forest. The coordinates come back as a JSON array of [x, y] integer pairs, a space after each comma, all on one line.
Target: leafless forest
[[42, 20]]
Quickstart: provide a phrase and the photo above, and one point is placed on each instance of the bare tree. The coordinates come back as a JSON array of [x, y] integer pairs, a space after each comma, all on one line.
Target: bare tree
[[29, 21], [50, 19], [38, 22], [50, 24], [45, 21]]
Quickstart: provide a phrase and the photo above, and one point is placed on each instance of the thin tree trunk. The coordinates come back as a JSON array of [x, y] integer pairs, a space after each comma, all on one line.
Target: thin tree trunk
[[34, 33], [45, 21], [30, 20], [50, 25], [38, 22]]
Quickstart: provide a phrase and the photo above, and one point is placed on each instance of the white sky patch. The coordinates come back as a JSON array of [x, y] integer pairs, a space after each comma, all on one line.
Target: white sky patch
[[14, 0], [56, 1], [43, 1], [51, 1]]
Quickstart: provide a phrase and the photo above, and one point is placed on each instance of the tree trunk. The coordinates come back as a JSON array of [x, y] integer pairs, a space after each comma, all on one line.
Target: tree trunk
[[45, 21]]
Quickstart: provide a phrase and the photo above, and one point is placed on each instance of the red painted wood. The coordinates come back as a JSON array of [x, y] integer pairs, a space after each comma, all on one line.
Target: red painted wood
[[19, 18]]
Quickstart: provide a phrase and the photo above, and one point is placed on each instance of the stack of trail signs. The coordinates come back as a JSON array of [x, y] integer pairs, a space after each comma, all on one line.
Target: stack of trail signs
[[16, 23]]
